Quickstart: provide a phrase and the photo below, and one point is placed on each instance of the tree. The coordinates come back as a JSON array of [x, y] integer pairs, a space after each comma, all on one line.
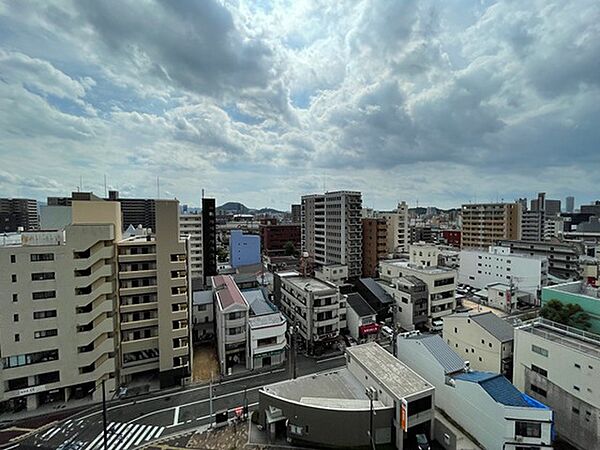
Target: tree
[[289, 249], [568, 314]]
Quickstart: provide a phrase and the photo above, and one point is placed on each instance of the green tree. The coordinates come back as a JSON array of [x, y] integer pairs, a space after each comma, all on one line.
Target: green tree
[[568, 314], [289, 249]]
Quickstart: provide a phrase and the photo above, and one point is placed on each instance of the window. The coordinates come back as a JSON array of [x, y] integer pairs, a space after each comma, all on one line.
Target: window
[[13, 278], [576, 388], [575, 410], [15, 317], [30, 358], [419, 406], [542, 372], [577, 366], [41, 276], [43, 295], [13, 259], [455, 330], [44, 314], [538, 390], [528, 429], [45, 333], [15, 297], [36, 257], [539, 350], [17, 337]]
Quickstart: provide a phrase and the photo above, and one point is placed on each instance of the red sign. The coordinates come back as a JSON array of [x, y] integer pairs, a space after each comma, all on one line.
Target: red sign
[[371, 328], [404, 415]]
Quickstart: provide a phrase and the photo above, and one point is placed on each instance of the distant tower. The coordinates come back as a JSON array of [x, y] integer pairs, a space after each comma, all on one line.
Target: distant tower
[[570, 201]]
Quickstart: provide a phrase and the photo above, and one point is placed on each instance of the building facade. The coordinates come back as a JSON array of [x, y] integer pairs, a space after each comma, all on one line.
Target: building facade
[[497, 265], [19, 214], [244, 249], [275, 238], [558, 365], [398, 236], [483, 224], [374, 244], [296, 213], [209, 237], [452, 237], [331, 229], [190, 225]]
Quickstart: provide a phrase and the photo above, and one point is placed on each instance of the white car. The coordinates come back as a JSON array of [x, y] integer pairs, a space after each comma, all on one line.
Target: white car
[[437, 325], [387, 331]]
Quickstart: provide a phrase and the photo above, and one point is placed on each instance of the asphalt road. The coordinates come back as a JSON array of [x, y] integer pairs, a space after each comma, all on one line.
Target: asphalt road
[[133, 422]]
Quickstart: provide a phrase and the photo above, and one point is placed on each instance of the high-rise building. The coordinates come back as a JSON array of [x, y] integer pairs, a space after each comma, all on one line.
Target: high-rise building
[[570, 204], [331, 229], [209, 237], [190, 224], [374, 244], [87, 303], [398, 236], [18, 213], [296, 213], [486, 223]]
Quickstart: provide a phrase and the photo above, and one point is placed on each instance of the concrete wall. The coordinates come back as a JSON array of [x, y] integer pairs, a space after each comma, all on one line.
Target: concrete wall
[[589, 304], [244, 249]]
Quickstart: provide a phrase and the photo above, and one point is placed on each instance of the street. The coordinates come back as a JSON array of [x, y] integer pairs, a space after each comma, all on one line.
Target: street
[[134, 422]]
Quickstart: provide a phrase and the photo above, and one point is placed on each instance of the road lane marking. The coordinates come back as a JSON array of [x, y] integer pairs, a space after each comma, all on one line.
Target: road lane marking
[[176, 416]]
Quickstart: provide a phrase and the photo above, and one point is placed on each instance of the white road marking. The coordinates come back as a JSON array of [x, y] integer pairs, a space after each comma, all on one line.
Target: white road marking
[[176, 416]]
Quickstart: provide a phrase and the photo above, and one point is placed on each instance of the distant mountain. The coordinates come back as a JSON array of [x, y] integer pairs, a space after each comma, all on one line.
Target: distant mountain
[[240, 208]]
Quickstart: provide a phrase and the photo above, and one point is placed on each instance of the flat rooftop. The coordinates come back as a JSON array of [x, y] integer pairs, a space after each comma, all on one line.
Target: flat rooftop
[[336, 389], [309, 284], [258, 301], [266, 320], [202, 297], [577, 288], [582, 341], [392, 373], [425, 269]]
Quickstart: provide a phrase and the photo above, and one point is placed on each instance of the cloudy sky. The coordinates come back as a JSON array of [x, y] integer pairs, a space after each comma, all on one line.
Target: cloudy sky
[[262, 101]]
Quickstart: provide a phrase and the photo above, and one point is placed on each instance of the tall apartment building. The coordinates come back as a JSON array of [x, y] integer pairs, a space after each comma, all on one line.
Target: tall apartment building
[[18, 213], [398, 236], [209, 237], [486, 223], [570, 204], [331, 229], [190, 224], [374, 244], [296, 213], [558, 366], [85, 304], [315, 307]]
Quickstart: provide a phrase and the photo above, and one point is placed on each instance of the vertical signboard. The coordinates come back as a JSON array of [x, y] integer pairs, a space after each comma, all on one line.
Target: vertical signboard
[[404, 415]]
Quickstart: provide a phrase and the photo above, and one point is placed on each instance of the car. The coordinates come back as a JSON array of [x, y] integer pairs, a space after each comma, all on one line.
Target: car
[[387, 331], [422, 442], [437, 325]]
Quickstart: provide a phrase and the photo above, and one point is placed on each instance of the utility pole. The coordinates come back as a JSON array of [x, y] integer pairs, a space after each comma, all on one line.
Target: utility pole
[[371, 393], [245, 414], [211, 397], [105, 437]]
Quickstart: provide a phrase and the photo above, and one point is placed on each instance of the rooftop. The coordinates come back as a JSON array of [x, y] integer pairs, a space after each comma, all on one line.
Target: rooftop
[[579, 340], [441, 351], [576, 288], [309, 284], [423, 269], [490, 322], [359, 305], [258, 299], [228, 293], [392, 373], [338, 389], [266, 320], [377, 290], [202, 297], [500, 389]]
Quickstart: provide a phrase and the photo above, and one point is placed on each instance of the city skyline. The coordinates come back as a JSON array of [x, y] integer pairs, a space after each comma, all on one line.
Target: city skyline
[[262, 102]]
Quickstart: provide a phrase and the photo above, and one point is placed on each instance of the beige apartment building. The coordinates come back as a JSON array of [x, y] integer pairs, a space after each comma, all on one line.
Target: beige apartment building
[[484, 224], [85, 304], [191, 225], [398, 236]]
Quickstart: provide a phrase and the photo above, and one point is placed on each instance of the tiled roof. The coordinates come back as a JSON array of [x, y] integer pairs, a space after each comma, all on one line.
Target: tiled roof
[[377, 290], [494, 325], [359, 305], [441, 351], [228, 293]]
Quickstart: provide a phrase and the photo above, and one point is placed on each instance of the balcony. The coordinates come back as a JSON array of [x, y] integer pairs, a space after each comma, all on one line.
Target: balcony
[[140, 257], [144, 323], [139, 290], [139, 345], [234, 323], [323, 323], [85, 337], [137, 274], [138, 307], [235, 338]]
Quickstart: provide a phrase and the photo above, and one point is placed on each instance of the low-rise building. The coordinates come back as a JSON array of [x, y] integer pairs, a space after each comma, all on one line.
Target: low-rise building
[[374, 388], [203, 316], [332, 273], [411, 302], [361, 319], [275, 238], [483, 338], [440, 282], [452, 237], [558, 365], [378, 298], [578, 293], [498, 265], [485, 404]]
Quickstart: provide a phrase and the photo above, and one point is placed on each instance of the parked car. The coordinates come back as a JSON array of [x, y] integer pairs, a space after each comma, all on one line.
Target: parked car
[[422, 442], [387, 331], [437, 325]]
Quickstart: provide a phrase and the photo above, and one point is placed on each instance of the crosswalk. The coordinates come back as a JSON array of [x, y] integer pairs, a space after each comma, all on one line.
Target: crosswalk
[[120, 436], [123, 436]]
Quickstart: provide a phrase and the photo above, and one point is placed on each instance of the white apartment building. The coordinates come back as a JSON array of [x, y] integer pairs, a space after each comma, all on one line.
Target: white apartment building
[[203, 316], [484, 404], [398, 236], [524, 272], [440, 282], [332, 229], [191, 225], [483, 338], [84, 304], [558, 365], [333, 273], [315, 307]]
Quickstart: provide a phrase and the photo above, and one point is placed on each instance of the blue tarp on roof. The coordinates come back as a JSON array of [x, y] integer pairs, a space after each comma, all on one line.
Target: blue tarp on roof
[[500, 389]]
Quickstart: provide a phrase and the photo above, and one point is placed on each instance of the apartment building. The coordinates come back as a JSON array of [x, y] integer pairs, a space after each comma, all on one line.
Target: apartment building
[[275, 238], [155, 300], [484, 404], [440, 282], [331, 229], [190, 225], [315, 307], [558, 366], [398, 236], [562, 257], [296, 213], [18, 214], [411, 302], [209, 237], [483, 338], [244, 249], [483, 224], [498, 265], [374, 244], [88, 303]]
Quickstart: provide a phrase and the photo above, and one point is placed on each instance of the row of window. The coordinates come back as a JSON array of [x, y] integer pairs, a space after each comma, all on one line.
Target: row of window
[[40, 295], [39, 334]]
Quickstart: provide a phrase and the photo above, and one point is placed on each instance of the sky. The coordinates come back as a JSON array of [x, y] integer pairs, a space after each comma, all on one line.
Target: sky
[[435, 103]]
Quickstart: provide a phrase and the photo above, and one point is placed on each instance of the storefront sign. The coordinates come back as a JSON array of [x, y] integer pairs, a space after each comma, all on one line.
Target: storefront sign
[[404, 415], [371, 328], [31, 390]]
